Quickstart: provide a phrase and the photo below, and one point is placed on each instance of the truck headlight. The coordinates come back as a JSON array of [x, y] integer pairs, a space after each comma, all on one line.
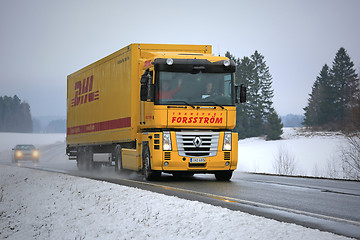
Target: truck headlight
[[166, 141], [19, 154], [227, 141]]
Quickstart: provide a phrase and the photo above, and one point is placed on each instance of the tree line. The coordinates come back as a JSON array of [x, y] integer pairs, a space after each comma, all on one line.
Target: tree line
[[257, 116], [334, 102], [15, 115]]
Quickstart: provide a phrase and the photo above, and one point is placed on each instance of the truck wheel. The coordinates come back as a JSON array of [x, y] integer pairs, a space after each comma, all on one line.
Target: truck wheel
[[118, 159], [223, 175], [149, 174]]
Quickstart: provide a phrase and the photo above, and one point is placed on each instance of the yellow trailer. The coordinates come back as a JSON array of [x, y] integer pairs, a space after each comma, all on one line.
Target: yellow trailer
[[155, 108]]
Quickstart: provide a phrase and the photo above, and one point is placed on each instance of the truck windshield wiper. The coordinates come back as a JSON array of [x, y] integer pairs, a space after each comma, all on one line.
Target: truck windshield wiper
[[222, 107], [181, 101]]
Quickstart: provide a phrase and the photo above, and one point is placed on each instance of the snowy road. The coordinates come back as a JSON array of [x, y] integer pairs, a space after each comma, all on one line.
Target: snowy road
[[327, 205]]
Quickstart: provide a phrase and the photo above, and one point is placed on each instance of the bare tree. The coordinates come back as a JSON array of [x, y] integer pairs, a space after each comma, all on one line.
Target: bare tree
[[350, 157], [284, 163], [334, 169]]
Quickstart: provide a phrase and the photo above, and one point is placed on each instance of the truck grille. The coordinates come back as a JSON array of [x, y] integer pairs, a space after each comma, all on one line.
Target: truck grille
[[197, 144]]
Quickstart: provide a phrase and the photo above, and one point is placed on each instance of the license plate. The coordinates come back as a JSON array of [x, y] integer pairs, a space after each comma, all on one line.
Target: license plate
[[197, 160]]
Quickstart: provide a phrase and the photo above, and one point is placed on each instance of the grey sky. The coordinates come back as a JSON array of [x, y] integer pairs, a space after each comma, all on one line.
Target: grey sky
[[42, 41]]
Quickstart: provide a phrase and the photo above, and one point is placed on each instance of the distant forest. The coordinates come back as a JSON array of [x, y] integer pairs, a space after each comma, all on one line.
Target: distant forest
[[292, 120], [15, 115]]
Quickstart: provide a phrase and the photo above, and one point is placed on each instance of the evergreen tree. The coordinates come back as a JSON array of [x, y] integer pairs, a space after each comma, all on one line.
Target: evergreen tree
[[244, 74], [254, 107], [345, 84], [255, 75], [333, 98], [326, 97], [319, 112], [263, 76], [274, 126]]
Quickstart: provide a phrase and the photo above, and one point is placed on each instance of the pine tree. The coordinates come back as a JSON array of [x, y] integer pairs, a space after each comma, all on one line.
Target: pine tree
[[319, 109], [244, 74], [311, 110], [326, 97], [264, 78], [255, 75], [344, 82], [254, 104], [333, 98], [274, 126]]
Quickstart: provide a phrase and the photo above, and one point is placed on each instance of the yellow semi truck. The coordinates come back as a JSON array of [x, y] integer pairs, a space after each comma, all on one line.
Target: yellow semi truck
[[155, 108]]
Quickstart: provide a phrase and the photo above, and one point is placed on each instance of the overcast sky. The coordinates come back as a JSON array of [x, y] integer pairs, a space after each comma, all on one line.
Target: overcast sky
[[43, 41]]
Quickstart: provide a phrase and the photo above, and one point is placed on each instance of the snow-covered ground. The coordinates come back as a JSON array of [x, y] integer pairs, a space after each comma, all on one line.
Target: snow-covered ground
[[314, 153], [44, 205]]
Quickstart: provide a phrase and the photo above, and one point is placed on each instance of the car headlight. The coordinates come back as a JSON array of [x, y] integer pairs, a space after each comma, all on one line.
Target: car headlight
[[166, 141], [19, 154], [227, 141], [35, 153]]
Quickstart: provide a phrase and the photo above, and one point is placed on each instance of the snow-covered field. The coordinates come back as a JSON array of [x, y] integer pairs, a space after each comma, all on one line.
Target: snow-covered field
[[314, 153], [43, 205]]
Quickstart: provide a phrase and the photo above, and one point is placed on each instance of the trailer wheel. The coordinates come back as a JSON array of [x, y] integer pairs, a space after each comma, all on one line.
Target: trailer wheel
[[118, 159], [149, 174], [223, 175]]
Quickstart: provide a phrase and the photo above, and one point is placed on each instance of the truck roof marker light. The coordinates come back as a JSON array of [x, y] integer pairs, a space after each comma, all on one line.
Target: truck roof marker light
[[226, 63], [169, 61]]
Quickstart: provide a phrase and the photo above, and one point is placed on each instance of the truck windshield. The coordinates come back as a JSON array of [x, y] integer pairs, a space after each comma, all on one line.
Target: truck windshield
[[174, 88]]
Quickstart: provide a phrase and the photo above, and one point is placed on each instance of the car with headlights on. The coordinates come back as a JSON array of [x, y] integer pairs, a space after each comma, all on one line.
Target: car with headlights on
[[25, 152]]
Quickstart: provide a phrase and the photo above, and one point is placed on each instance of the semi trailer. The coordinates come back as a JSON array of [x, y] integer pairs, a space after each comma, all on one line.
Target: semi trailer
[[155, 108]]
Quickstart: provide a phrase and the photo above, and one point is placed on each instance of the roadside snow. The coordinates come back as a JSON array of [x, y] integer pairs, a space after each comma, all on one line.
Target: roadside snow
[[43, 205]]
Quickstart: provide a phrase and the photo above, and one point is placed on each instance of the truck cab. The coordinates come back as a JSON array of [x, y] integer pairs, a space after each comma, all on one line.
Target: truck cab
[[188, 113]]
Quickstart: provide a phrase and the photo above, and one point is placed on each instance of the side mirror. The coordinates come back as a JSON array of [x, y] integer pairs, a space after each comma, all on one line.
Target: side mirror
[[242, 93], [240, 97], [147, 88], [150, 94], [143, 92], [144, 78]]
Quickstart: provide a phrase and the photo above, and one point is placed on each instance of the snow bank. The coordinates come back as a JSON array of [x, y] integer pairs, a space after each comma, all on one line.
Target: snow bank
[[42, 205], [313, 152]]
